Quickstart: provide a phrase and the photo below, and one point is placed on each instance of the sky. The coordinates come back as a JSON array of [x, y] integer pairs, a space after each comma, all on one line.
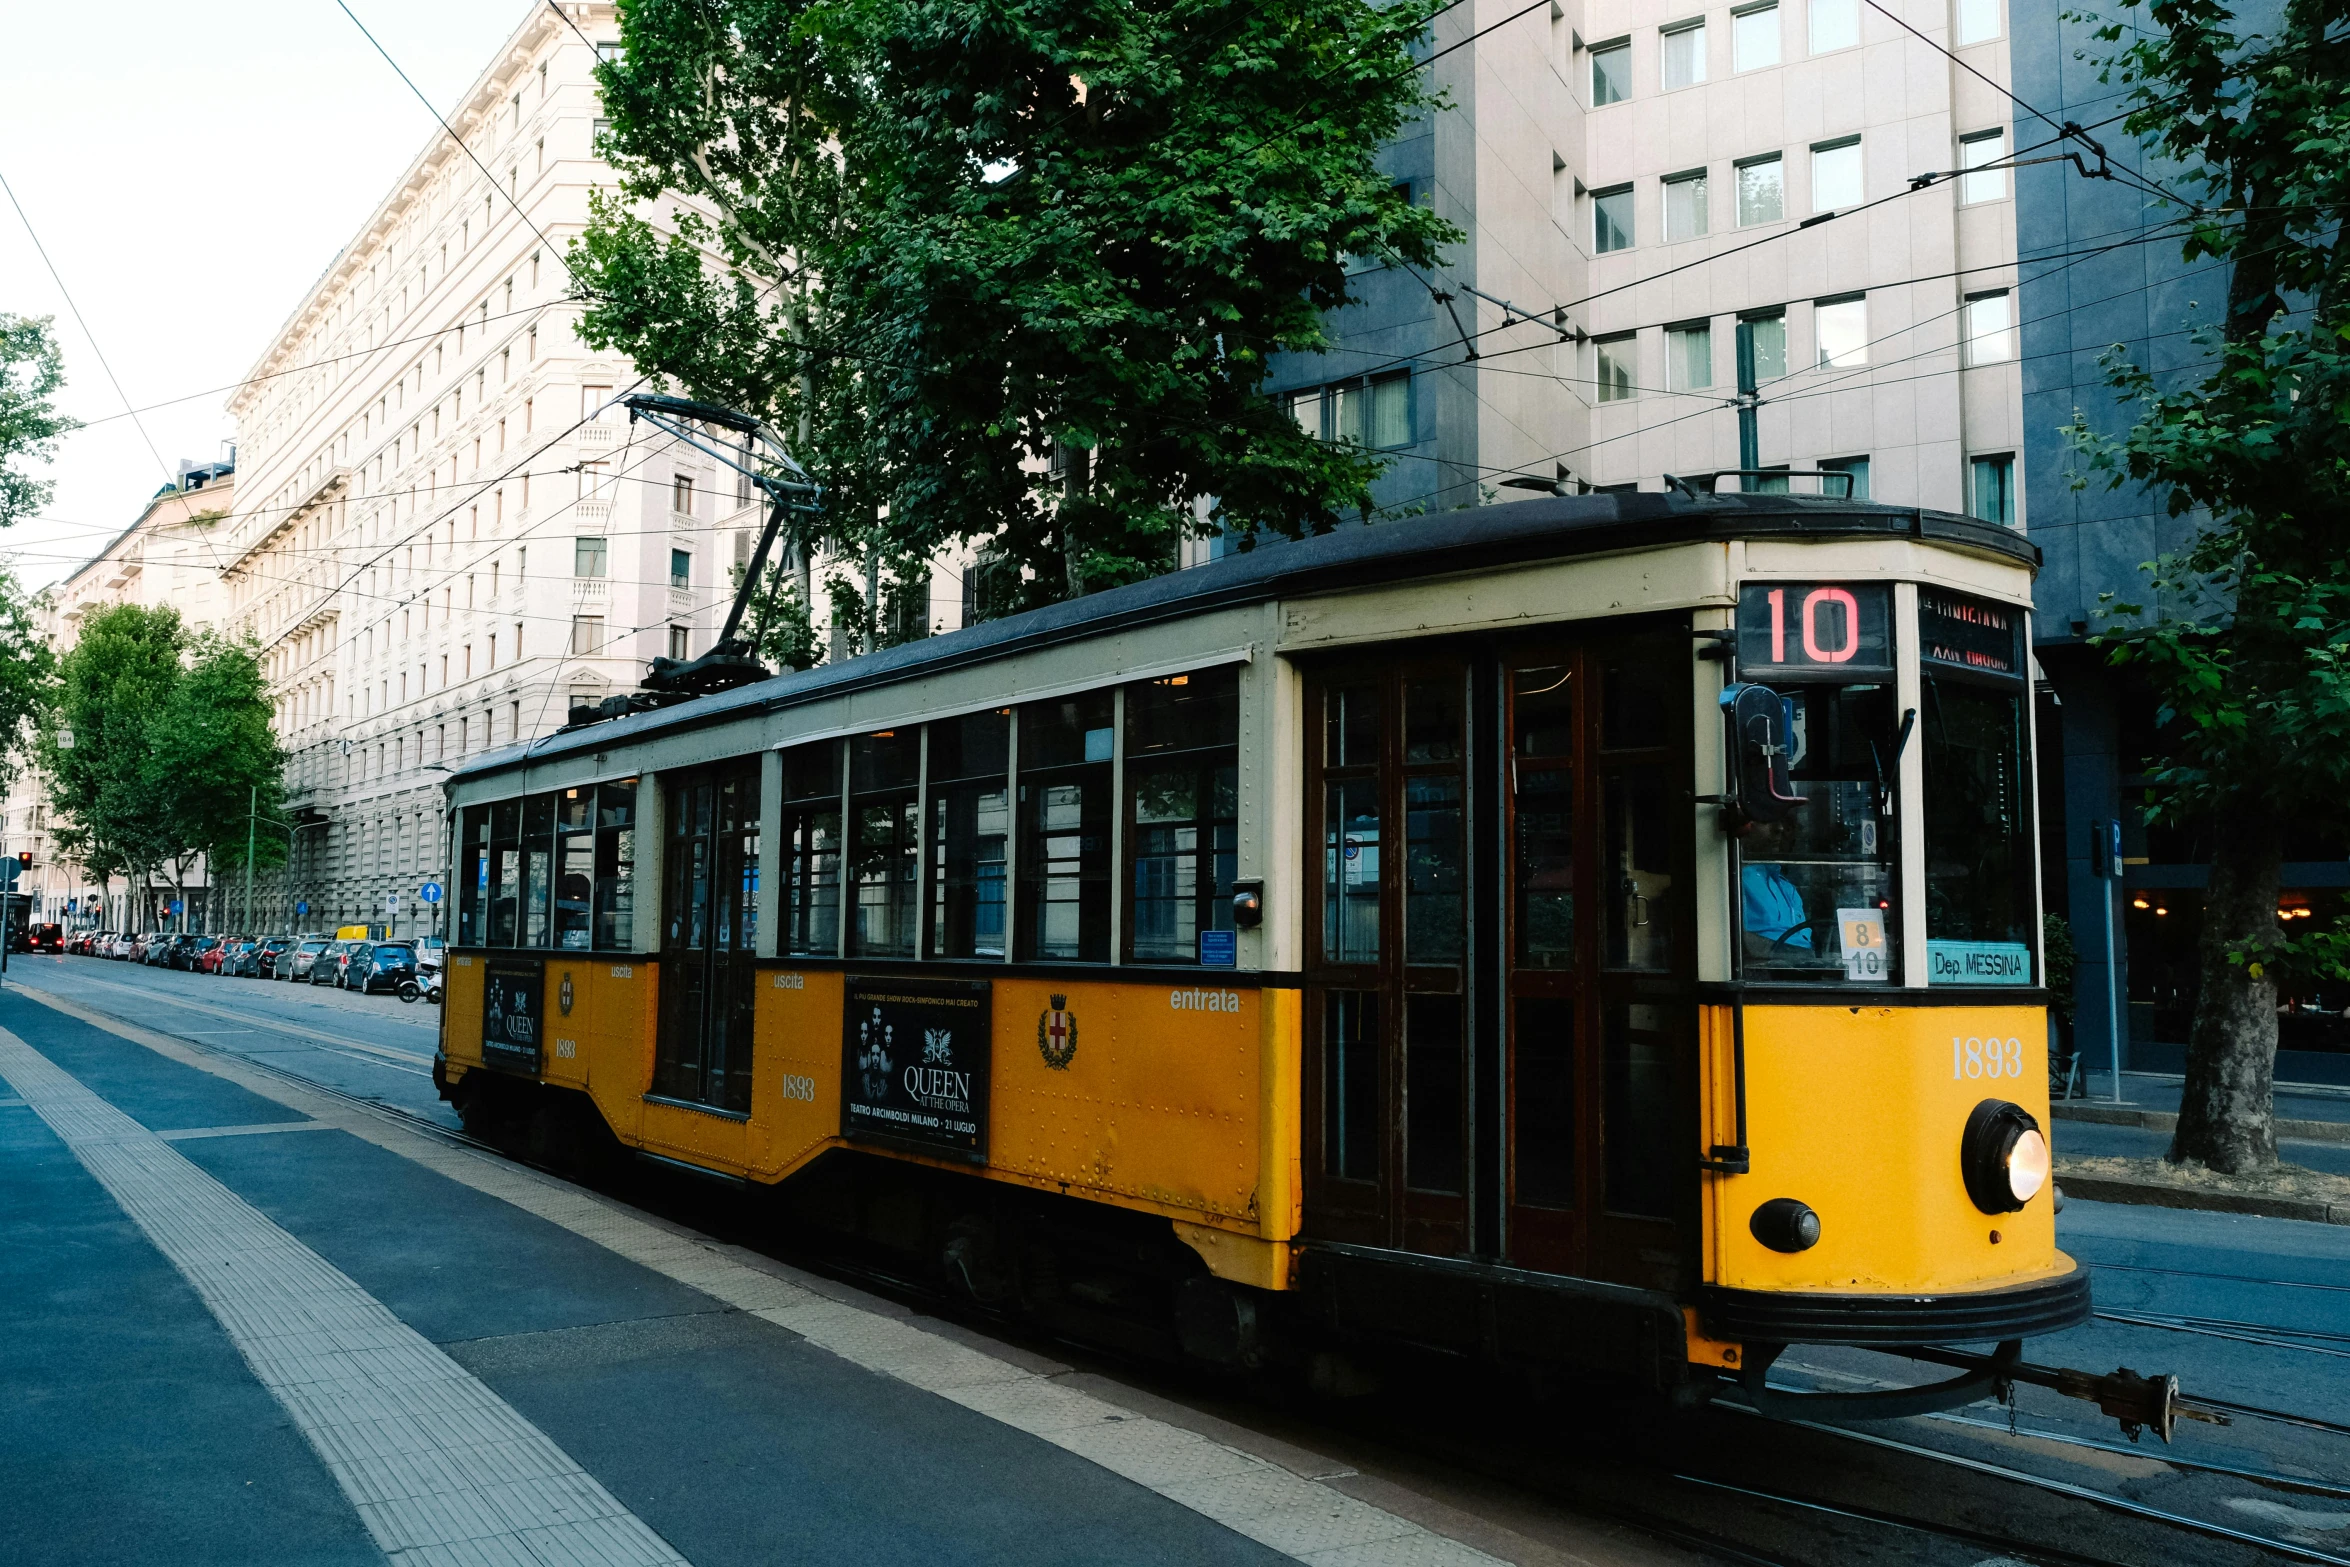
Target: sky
[[191, 169]]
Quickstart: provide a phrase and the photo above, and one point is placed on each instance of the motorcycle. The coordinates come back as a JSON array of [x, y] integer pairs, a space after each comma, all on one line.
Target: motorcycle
[[427, 984]]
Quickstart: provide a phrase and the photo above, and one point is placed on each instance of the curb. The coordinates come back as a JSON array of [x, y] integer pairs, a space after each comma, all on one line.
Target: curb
[[2090, 1188], [2168, 1121]]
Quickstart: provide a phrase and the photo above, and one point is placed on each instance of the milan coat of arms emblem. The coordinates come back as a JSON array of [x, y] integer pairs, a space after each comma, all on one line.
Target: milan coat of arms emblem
[[1056, 1035], [563, 996]]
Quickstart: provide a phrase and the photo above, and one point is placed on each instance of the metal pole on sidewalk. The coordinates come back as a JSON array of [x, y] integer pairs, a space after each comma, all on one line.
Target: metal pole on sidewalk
[[252, 812], [2113, 980]]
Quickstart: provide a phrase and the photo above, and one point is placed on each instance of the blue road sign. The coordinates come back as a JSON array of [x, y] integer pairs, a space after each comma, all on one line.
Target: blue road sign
[[175, 905], [430, 892], [302, 908]]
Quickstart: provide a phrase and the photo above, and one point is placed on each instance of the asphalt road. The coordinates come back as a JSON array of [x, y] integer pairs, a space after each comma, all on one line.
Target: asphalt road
[[376, 1047], [2254, 1311]]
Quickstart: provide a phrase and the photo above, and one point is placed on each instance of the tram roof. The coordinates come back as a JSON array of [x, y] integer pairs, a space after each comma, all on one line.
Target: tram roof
[[1445, 544]]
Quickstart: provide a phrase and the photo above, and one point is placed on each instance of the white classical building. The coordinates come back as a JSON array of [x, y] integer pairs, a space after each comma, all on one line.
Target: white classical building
[[446, 534]]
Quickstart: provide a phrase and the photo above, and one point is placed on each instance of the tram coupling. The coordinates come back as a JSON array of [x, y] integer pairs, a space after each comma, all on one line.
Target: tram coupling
[[2138, 1403]]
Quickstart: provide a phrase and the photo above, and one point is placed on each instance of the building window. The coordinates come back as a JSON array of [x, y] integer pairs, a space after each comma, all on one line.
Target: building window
[[1835, 24], [677, 643], [1685, 209], [1754, 37], [1978, 20], [681, 495], [1684, 56], [1611, 366], [1306, 408], [587, 557], [1991, 489], [1611, 219], [1376, 414], [681, 569], [1857, 467], [1611, 72], [1990, 327], [1835, 176], [1982, 183], [587, 636], [1765, 337], [1762, 194], [1689, 357], [1841, 327]]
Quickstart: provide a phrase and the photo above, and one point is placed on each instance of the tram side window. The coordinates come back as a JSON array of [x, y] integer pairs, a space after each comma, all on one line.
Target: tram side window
[[1183, 786], [538, 867], [884, 770], [1978, 806], [1817, 894], [1353, 730], [473, 876], [810, 837], [505, 892], [970, 830], [1065, 765], [1638, 898], [615, 866], [575, 866]]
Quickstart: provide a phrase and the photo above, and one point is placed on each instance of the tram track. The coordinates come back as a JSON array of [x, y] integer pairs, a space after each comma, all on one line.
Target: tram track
[[1535, 1472]]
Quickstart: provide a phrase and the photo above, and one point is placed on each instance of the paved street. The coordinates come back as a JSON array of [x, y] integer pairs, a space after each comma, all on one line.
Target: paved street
[[259, 1323]]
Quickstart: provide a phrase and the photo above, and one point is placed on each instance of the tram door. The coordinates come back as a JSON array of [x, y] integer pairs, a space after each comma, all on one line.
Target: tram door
[[709, 915], [1503, 913]]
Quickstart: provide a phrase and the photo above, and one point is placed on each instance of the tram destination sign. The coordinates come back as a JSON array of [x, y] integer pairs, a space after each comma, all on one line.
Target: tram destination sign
[[915, 1060], [1842, 630], [513, 1012], [1958, 632]]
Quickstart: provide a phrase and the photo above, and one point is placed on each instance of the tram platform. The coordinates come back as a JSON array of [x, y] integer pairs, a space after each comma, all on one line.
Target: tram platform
[[242, 1321]]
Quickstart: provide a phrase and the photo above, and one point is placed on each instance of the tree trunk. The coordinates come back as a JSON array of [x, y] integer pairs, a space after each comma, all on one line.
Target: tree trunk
[[2227, 1115]]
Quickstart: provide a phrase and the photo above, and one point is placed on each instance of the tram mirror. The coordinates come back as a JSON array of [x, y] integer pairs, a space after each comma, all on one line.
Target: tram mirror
[[1762, 723]]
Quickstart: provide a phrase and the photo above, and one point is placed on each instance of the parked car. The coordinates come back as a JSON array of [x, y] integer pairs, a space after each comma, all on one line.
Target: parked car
[[301, 963], [45, 938], [261, 962], [205, 956], [327, 967], [179, 952], [379, 966], [148, 949]]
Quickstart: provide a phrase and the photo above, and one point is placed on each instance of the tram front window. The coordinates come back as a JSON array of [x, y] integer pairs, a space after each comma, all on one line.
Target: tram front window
[[1978, 833], [1816, 888]]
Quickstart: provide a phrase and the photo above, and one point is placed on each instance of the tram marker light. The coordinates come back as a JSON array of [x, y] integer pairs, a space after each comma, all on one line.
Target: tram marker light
[[1784, 1224], [2003, 1156], [1248, 905]]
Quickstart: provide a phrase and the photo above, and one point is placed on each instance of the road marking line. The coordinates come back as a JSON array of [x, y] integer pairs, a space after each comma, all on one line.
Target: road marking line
[[190, 1134], [432, 1460], [1251, 1496]]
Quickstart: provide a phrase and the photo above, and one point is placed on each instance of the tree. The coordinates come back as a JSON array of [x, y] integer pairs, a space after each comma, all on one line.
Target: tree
[[2246, 641], [172, 739], [117, 676], [1012, 274], [27, 669], [31, 371]]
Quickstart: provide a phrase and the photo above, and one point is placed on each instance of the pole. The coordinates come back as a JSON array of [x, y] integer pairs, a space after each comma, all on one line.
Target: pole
[[2113, 983], [252, 821], [1749, 397]]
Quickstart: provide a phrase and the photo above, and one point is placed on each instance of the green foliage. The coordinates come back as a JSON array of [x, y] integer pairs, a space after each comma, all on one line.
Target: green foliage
[[952, 237], [171, 734], [777, 624], [2064, 965], [27, 669], [31, 371]]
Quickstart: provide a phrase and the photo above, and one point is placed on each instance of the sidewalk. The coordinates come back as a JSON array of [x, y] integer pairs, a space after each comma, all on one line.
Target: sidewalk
[[2306, 1112]]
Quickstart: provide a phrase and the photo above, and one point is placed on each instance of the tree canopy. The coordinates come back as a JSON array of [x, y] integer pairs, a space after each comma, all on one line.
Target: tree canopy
[[2246, 642], [171, 736], [1009, 275], [31, 371]]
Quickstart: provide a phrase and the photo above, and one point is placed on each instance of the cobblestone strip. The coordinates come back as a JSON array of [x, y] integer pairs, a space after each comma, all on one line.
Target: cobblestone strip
[[1261, 1500], [443, 1472]]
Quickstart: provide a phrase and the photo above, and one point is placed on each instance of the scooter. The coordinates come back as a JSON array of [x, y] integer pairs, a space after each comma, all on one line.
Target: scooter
[[427, 984]]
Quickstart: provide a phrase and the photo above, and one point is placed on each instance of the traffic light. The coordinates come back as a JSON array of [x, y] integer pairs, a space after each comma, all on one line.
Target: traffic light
[[24, 859]]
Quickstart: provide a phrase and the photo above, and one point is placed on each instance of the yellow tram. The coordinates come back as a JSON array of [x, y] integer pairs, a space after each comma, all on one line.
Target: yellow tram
[[1590, 933]]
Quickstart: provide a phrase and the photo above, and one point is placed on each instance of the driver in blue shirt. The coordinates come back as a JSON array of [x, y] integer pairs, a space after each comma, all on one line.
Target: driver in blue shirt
[[1775, 916]]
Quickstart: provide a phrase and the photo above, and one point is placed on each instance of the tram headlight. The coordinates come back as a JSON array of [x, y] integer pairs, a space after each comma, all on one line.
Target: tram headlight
[[1784, 1224], [2003, 1156]]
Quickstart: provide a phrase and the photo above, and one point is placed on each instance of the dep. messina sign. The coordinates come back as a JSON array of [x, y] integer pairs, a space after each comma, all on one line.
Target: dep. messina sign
[[915, 1058]]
